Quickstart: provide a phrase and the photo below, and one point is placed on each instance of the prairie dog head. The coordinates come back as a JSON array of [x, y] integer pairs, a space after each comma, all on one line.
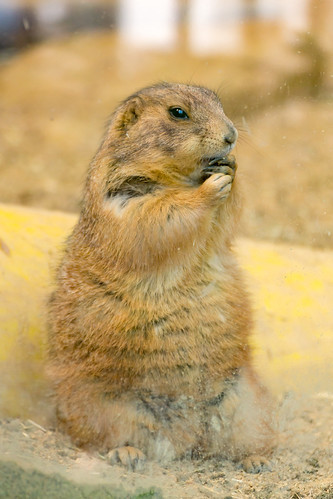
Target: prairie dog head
[[164, 134]]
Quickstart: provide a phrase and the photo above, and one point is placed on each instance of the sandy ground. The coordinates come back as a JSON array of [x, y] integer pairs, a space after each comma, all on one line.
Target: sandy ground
[[301, 467]]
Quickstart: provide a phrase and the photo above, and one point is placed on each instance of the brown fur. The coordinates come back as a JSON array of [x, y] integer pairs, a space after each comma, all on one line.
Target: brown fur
[[150, 321]]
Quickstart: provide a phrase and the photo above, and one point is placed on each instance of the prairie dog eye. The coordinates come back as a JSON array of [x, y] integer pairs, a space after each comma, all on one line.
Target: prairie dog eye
[[178, 113]]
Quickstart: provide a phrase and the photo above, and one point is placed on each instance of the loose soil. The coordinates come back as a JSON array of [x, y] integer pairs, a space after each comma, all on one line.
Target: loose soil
[[38, 462]]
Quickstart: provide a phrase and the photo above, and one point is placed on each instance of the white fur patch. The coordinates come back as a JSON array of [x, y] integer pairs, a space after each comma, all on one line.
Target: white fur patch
[[216, 424], [215, 263], [207, 290], [117, 204], [222, 317], [164, 450]]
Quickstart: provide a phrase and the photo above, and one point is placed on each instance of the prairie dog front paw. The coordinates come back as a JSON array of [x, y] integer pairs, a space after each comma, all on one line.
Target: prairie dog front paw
[[218, 186], [227, 166]]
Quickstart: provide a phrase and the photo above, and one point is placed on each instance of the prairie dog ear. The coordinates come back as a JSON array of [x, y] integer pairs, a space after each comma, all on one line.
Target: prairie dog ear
[[129, 113]]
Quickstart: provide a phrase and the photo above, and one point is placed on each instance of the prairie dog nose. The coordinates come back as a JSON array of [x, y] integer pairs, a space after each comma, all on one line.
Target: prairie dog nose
[[231, 136]]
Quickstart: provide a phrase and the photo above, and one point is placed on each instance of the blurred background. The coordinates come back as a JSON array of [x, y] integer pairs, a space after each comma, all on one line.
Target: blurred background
[[65, 65]]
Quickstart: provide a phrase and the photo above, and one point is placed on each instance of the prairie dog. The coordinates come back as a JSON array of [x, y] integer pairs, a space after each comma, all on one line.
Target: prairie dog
[[150, 320]]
